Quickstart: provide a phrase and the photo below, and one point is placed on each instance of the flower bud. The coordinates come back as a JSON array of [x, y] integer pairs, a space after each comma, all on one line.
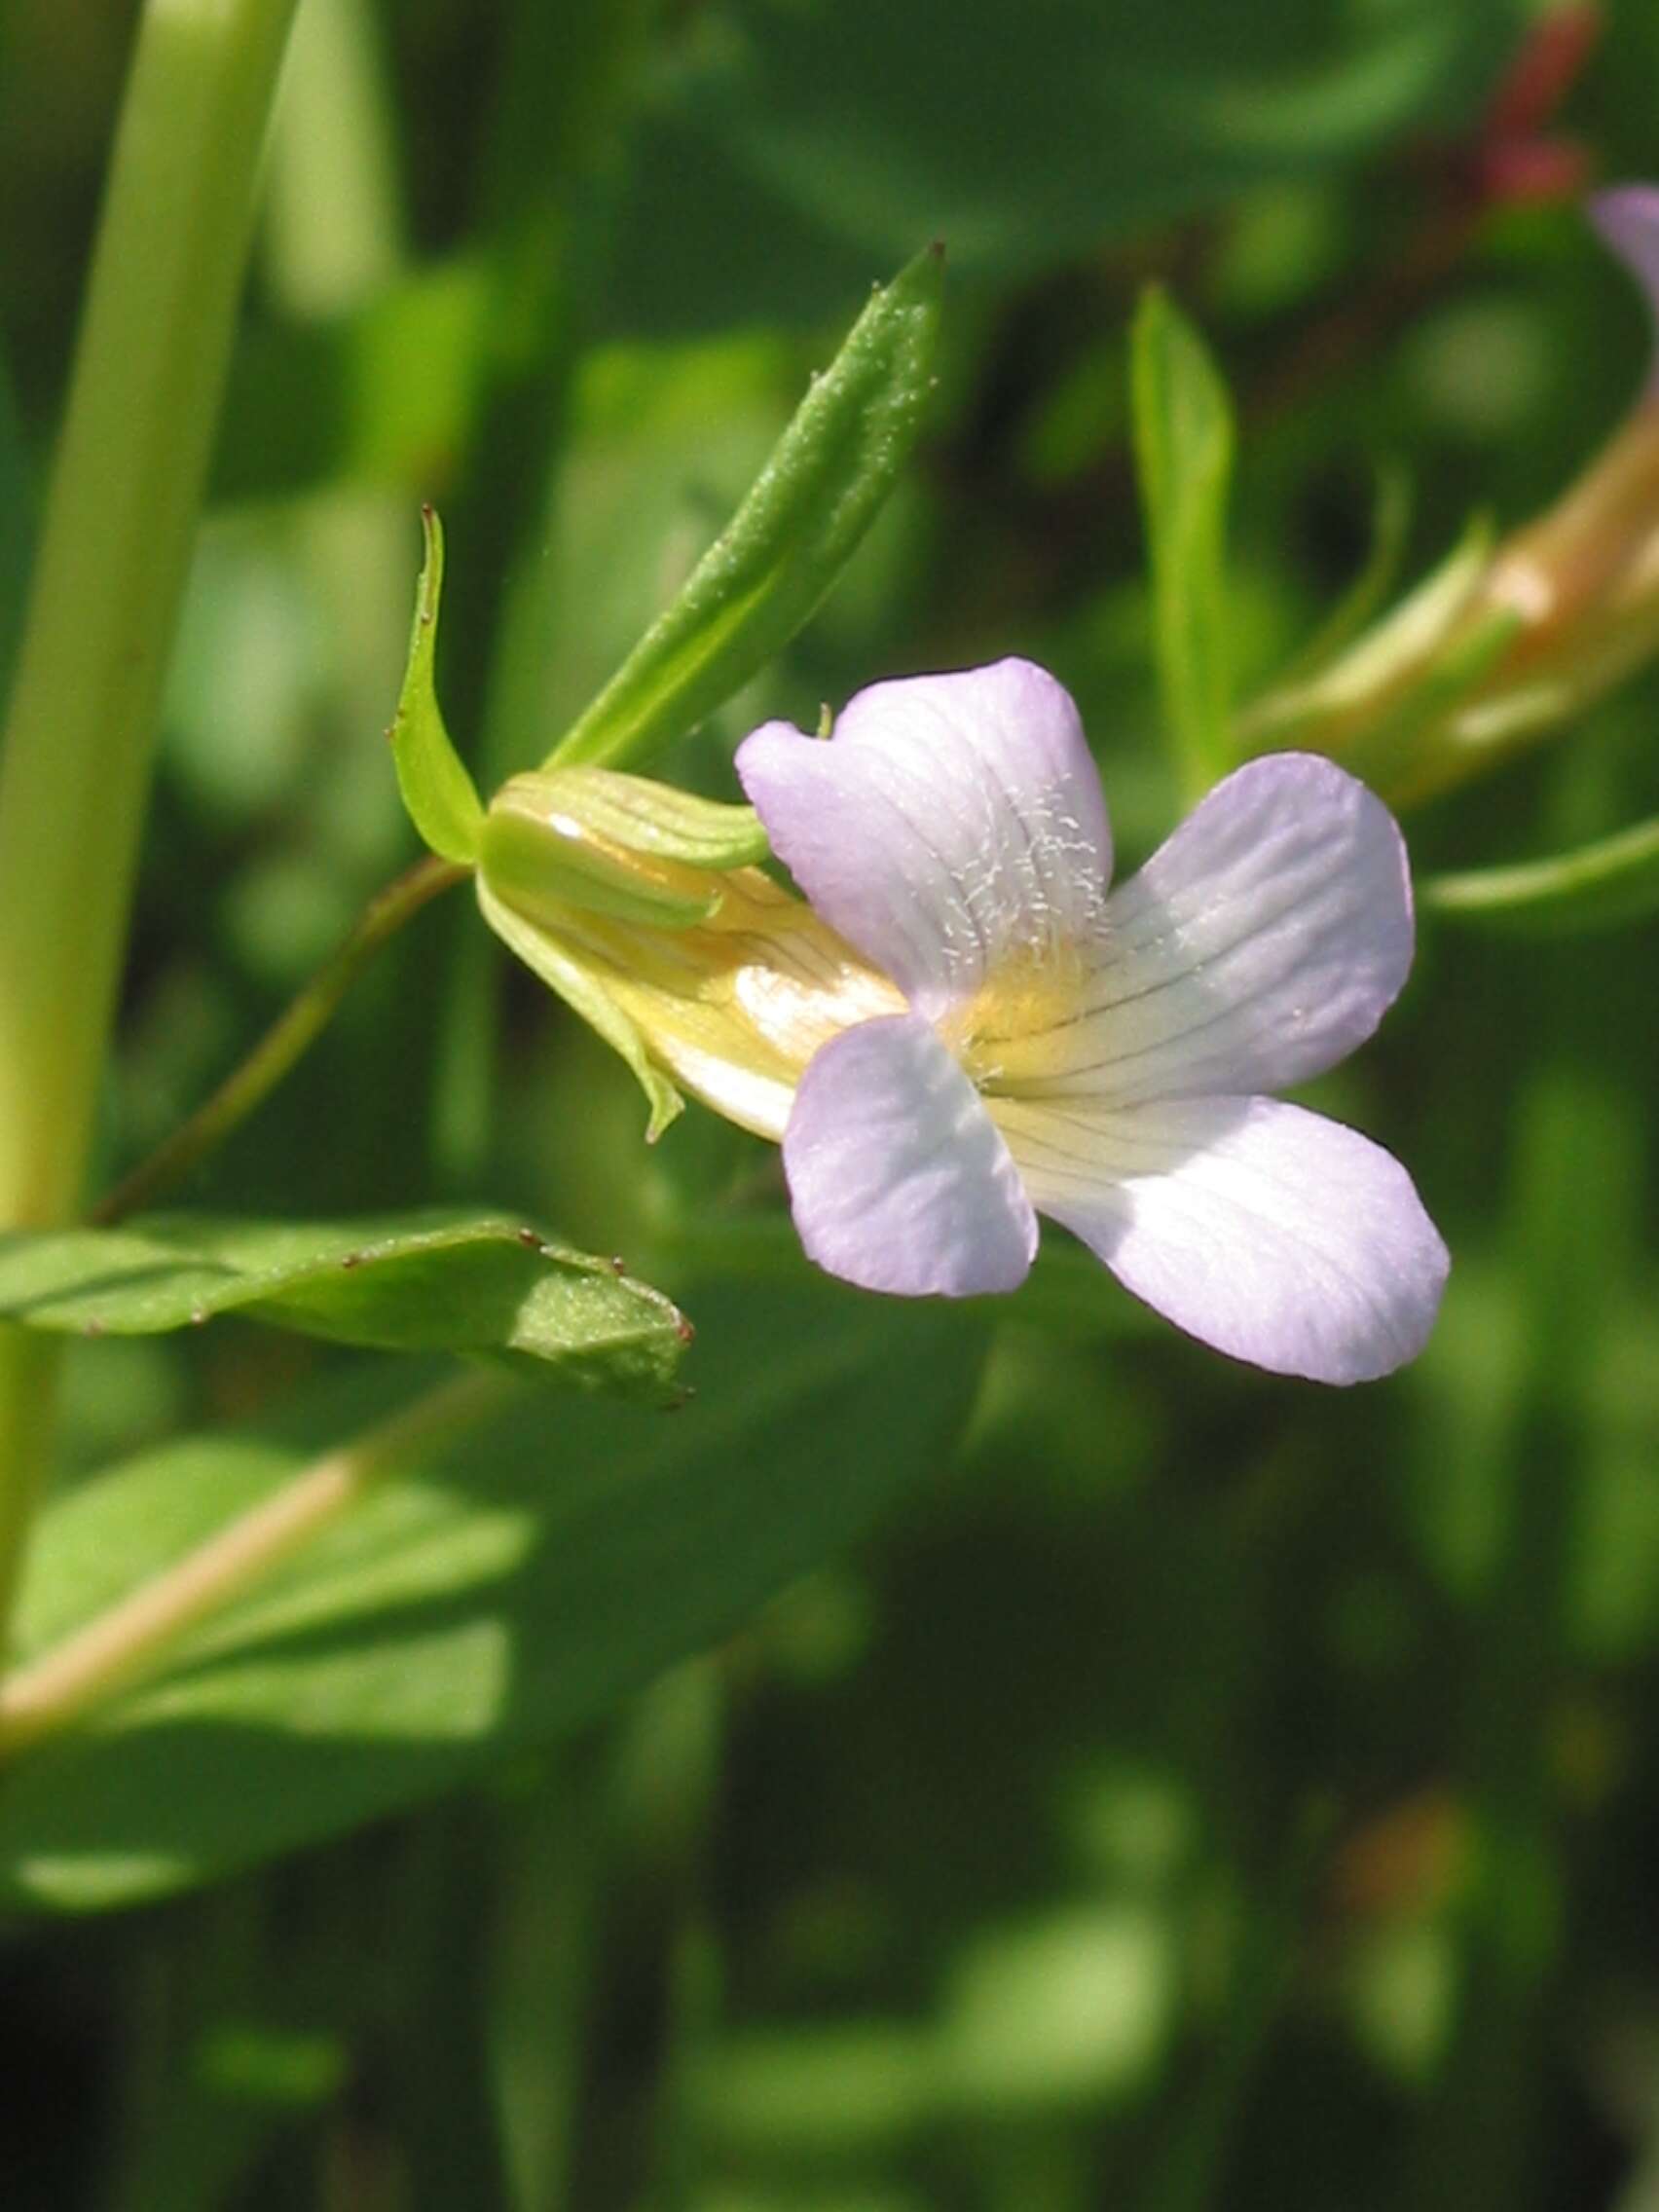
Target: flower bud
[[1501, 644]]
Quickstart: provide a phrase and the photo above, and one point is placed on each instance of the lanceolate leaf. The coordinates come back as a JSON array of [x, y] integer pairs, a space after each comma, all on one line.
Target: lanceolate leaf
[[505, 1591], [437, 790], [430, 1281], [817, 494]]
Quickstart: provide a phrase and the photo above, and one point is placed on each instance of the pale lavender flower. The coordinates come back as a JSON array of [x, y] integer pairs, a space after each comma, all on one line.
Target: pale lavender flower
[[1098, 1056]]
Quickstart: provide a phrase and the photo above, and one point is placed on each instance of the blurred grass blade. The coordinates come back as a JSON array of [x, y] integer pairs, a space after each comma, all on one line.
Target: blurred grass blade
[[436, 1281], [1615, 880], [1184, 445], [379, 394], [821, 489], [1189, 2171], [437, 790]]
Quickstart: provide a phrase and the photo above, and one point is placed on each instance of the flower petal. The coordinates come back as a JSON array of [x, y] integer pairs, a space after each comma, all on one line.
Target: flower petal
[[897, 1177], [1261, 1228], [950, 823], [1260, 944]]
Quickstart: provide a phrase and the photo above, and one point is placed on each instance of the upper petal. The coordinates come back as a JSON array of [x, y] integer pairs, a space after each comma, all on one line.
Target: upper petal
[[898, 1178], [1260, 944], [1259, 1228], [950, 823]]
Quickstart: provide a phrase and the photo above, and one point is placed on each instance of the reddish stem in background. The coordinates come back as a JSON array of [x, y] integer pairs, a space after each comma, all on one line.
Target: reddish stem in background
[[1513, 158]]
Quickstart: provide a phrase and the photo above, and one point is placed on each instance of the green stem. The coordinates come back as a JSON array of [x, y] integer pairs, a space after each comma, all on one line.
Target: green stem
[[1613, 881], [290, 1036], [138, 1631], [114, 548]]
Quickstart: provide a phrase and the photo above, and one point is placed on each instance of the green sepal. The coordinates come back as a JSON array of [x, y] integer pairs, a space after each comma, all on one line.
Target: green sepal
[[618, 845], [1601, 885], [441, 797], [806, 511], [576, 985], [1184, 446], [541, 874], [658, 819]]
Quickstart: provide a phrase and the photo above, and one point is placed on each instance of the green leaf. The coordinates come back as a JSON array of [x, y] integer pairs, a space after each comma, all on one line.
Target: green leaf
[[435, 1280], [1614, 882], [440, 795], [1184, 438], [817, 494], [785, 158], [800, 137], [504, 1593]]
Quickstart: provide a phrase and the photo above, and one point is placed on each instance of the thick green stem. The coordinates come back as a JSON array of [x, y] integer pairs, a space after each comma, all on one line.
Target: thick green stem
[[114, 547]]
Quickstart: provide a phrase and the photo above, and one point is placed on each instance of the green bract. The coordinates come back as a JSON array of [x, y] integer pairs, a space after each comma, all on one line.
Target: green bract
[[817, 494], [439, 793]]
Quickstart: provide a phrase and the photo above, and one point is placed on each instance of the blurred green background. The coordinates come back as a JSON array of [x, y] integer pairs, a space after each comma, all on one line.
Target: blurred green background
[[1174, 1787]]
